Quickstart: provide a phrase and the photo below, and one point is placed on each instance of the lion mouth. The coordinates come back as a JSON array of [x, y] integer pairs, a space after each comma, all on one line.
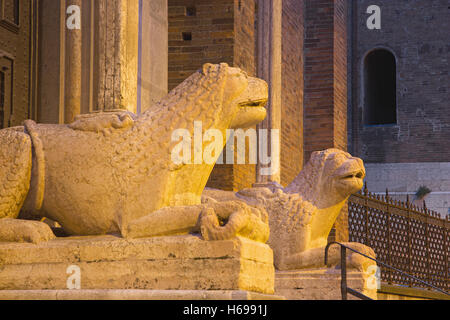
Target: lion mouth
[[360, 174], [250, 113], [253, 103]]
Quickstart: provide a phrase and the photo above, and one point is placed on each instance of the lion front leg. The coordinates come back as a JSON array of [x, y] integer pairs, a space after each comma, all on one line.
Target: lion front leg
[[15, 230], [311, 258], [165, 222], [315, 258], [214, 220]]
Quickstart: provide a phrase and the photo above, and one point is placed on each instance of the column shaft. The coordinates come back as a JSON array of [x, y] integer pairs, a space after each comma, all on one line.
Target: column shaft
[[269, 69]]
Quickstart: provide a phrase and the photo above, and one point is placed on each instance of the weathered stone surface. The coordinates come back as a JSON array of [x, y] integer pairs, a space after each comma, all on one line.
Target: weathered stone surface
[[320, 284], [134, 295], [160, 263]]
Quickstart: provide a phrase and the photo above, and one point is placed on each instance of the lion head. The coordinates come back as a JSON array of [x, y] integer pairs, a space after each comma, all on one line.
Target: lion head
[[202, 108], [242, 97], [220, 96], [329, 178]]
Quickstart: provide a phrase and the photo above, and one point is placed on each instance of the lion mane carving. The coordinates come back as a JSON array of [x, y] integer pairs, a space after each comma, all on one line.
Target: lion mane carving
[[113, 172], [302, 215]]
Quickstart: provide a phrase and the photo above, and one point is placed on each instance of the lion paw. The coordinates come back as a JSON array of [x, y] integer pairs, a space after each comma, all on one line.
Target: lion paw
[[242, 220], [13, 230]]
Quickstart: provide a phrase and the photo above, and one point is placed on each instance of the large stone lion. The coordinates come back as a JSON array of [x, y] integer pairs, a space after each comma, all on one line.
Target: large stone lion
[[113, 172], [302, 215]]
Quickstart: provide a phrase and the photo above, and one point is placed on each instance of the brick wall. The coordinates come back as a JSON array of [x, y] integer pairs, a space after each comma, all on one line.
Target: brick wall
[[292, 91], [417, 33], [214, 31], [325, 84], [211, 27], [244, 31], [325, 76]]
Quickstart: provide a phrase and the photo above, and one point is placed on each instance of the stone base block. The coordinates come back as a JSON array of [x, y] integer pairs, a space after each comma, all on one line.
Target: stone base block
[[320, 284], [162, 263], [133, 295]]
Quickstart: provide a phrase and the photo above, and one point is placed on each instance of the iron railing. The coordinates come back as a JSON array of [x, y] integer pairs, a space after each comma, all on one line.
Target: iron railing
[[345, 289], [403, 236]]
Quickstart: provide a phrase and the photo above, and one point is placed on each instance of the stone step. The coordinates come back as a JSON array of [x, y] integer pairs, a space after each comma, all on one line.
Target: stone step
[[134, 295], [320, 284], [161, 263]]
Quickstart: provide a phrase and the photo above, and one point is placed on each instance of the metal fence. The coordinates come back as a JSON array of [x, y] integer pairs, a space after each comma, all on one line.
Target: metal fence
[[404, 236]]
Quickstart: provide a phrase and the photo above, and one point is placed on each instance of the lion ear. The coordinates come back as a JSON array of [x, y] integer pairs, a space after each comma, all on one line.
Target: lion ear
[[206, 68], [315, 154]]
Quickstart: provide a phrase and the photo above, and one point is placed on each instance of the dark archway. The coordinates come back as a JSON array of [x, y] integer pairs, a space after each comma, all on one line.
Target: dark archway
[[380, 88]]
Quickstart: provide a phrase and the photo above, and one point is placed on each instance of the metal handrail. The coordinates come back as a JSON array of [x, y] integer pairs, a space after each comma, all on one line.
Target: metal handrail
[[345, 289]]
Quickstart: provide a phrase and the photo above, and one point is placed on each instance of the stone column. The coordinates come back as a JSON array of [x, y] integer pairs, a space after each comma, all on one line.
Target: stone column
[[269, 69], [51, 69], [117, 56], [72, 105], [154, 53], [94, 68]]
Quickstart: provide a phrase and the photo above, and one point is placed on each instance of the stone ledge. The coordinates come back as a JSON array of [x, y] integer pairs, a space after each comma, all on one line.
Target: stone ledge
[[134, 295], [407, 292], [110, 248], [319, 284], [161, 263]]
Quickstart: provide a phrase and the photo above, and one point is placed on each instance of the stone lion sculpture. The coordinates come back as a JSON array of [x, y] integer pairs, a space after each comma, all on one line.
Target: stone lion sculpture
[[302, 215], [112, 172]]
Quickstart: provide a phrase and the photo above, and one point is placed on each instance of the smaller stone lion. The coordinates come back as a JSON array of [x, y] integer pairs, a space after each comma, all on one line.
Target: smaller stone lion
[[302, 215]]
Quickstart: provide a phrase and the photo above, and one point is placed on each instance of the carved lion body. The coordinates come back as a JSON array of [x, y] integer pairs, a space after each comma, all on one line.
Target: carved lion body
[[105, 171], [302, 215]]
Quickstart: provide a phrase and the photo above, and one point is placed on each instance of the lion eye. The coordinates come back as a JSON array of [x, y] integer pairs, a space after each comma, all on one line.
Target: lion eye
[[242, 74]]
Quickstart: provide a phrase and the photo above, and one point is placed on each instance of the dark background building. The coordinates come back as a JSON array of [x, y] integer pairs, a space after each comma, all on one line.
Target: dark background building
[[400, 98]]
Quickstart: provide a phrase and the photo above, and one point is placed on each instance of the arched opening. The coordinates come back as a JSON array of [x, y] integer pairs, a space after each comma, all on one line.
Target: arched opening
[[380, 88]]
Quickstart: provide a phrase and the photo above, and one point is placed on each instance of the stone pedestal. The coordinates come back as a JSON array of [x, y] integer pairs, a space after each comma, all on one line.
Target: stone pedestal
[[163, 263], [320, 284]]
